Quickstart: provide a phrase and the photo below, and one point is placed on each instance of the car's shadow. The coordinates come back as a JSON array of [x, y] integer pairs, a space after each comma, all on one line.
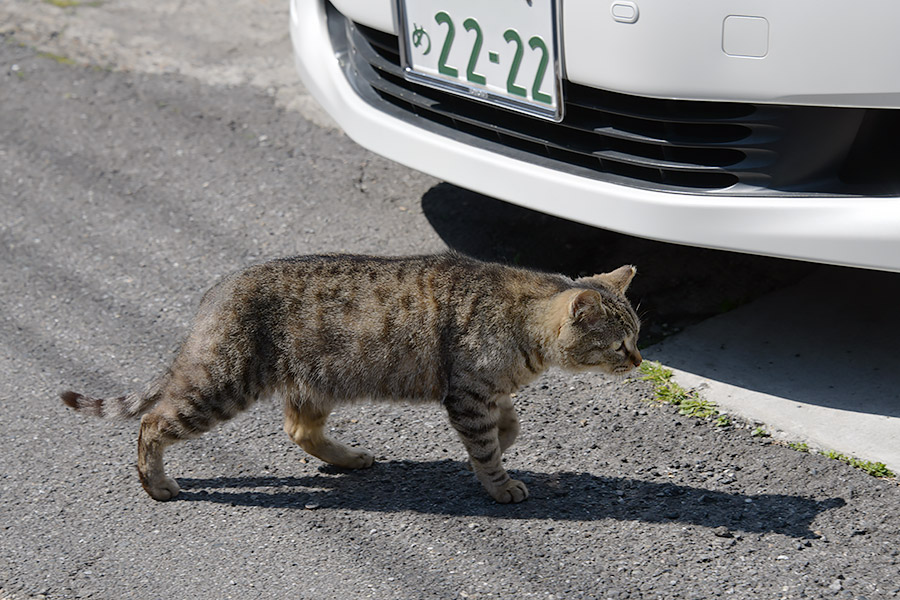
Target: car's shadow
[[805, 348], [676, 285], [445, 487]]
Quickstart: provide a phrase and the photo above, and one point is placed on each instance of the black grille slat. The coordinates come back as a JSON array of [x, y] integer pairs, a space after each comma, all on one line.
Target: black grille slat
[[672, 140], [672, 145], [662, 164], [385, 44], [670, 111]]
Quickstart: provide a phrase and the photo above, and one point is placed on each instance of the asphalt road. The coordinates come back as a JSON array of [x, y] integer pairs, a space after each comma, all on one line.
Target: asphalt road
[[125, 195]]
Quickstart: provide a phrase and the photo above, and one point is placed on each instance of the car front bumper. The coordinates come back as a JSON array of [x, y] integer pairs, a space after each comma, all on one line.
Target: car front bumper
[[847, 229]]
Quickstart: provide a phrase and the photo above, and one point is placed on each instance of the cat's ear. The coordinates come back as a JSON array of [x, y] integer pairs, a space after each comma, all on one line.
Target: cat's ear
[[618, 280], [587, 307]]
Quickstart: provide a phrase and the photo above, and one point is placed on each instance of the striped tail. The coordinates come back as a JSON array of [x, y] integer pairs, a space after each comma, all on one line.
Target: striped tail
[[123, 407]]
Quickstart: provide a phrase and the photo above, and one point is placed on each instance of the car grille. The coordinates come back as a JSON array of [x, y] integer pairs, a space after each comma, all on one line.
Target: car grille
[[671, 145]]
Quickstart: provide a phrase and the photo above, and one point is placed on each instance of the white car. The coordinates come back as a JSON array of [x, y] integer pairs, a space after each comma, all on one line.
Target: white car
[[763, 126]]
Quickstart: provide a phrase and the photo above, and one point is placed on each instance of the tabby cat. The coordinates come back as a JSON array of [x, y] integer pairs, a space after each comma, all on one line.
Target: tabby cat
[[321, 331]]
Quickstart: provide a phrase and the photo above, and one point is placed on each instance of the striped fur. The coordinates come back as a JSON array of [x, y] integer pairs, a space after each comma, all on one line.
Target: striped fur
[[325, 330]]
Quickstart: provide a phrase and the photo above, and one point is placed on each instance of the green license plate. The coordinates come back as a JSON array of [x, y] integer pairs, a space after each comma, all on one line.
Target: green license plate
[[503, 52]]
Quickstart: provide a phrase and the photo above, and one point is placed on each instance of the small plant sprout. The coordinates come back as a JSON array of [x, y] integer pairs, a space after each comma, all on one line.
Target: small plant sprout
[[698, 407], [655, 372], [876, 469], [668, 392]]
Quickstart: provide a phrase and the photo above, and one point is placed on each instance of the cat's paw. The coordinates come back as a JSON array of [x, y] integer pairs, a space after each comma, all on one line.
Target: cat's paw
[[163, 489], [360, 459], [513, 491], [349, 458]]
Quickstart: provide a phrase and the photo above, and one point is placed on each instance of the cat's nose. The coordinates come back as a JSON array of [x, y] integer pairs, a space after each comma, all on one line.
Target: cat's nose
[[636, 358]]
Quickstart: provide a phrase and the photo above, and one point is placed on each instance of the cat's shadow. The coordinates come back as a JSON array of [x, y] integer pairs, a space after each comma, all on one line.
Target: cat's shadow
[[446, 487]]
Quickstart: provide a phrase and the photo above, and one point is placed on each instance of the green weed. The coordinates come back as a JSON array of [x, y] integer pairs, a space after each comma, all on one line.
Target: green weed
[[698, 407], [655, 372], [63, 60], [669, 392], [876, 469], [74, 3]]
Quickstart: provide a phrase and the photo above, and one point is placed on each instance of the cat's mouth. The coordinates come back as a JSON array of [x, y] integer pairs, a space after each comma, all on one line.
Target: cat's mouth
[[622, 369], [616, 371]]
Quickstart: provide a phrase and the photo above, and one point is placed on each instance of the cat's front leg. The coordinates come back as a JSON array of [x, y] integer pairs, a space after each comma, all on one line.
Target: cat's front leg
[[476, 420]]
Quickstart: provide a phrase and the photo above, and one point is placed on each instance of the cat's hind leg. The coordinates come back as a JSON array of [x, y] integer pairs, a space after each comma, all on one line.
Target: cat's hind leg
[[157, 432], [507, 423], [304, 421], [191, 405]]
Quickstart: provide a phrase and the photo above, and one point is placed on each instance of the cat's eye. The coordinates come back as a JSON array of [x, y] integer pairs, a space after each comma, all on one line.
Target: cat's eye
[[620, 348]]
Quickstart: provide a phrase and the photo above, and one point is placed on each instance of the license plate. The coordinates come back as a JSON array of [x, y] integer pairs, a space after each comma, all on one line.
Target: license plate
[[504, 52]]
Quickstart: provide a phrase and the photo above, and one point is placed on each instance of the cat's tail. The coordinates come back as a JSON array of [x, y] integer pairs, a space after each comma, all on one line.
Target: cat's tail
[[123, 407]]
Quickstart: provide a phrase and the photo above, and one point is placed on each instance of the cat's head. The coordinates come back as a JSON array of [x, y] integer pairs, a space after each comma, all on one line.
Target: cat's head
[[597, 329]]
